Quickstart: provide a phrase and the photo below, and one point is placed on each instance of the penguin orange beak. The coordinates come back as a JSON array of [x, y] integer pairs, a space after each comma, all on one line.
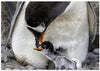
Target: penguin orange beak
[[41, 38], [40, 41]]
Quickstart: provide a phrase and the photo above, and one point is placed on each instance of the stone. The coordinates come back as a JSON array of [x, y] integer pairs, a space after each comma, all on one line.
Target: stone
[[7, 68], [29, 67], [92, 56], [4, 58], [51, 66], [84, 68], [96, 51]]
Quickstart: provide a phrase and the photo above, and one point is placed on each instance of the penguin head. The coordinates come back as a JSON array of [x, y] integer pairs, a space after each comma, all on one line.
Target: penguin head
[[47, 46], [38, 15]]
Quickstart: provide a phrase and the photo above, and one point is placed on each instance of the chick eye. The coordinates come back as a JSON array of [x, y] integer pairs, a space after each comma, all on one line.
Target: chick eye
[[44, 46]]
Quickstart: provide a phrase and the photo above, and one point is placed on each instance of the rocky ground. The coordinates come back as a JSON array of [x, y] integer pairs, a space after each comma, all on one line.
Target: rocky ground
[[8, 62]]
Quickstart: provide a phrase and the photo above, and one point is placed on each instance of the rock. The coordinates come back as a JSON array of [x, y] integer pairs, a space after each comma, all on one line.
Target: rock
[[51, 66], [84, 68], [6, 54], [29, 67], [7, 68], [22, 68], [96, 51], [4, 58], [96, 68], [15, 69], [92, 56]]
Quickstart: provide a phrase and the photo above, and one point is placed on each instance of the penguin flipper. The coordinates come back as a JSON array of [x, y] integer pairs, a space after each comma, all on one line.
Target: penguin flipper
[[92, 22], [18, 9]]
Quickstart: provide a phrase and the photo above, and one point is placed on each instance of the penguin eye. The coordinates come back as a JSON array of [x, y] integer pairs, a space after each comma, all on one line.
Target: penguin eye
[[32, 22], [36, 25]]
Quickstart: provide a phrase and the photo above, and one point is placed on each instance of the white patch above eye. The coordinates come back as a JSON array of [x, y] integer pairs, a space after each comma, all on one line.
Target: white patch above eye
[[38, 28]]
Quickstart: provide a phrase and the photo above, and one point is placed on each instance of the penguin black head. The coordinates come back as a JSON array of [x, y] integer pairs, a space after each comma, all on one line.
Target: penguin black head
[[39, 15]]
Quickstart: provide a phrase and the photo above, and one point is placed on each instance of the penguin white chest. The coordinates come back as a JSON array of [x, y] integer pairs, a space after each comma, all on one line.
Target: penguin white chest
[[23, 43], [70, 31]]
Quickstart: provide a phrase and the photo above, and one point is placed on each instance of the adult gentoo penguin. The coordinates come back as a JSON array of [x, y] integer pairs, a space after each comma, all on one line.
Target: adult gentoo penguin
[[29, 21], [69, 34], [64, 19]]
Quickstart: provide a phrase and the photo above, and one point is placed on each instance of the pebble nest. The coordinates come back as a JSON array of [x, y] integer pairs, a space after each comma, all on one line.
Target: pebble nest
[[8, 61]]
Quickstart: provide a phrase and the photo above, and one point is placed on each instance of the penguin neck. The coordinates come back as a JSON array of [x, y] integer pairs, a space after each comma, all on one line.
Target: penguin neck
[[74, 8], [21, 16]]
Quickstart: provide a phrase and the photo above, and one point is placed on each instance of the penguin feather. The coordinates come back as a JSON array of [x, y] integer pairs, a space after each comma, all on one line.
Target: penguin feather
[[18, 9], [92, 22], [91, 16]]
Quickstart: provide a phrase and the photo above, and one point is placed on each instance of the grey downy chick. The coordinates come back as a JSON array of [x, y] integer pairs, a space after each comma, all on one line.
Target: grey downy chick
[[61, 62]]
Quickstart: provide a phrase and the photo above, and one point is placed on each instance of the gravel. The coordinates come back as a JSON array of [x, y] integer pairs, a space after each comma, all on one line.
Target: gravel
[[92, 56], [14, 65], [9, 63], [96, 51]]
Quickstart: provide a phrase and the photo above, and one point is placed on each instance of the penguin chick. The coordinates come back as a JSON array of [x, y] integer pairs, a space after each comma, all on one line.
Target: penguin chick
[[61, 62]]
